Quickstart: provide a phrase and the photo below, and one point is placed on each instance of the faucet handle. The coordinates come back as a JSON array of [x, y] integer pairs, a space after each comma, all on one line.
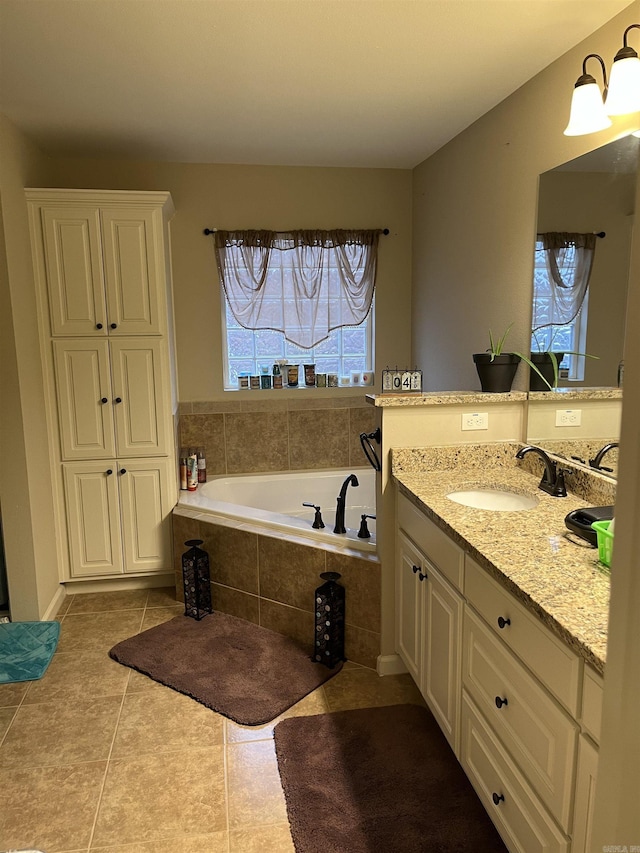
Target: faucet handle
[[363, 533], [559, 487], [318, 523]]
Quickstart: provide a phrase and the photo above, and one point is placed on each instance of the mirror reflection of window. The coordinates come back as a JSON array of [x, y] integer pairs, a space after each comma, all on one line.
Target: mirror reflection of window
[[566, 338]]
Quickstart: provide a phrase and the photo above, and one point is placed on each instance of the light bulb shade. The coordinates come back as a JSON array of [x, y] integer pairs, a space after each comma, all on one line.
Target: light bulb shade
[[624, 87], [587, 111]]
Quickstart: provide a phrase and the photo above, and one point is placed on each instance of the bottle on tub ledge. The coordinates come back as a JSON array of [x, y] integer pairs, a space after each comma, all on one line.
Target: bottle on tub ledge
[[192, 470], [202, 465], [184, 454]]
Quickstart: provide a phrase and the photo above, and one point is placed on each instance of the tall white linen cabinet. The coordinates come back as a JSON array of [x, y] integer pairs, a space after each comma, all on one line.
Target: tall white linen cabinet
[[105, 315]]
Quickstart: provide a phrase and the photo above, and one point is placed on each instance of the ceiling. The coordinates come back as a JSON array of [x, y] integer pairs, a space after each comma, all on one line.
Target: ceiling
[[365, 83]]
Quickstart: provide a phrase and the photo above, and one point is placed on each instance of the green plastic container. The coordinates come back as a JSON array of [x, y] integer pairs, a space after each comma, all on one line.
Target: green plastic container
[[605, 541]]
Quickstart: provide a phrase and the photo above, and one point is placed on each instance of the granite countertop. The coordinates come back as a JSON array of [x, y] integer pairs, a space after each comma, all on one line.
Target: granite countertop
[[438, 398], [526, 551]]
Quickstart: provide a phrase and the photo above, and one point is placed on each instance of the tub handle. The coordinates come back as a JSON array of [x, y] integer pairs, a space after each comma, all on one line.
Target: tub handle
[[318, 523], [363, 533], [369, 449]]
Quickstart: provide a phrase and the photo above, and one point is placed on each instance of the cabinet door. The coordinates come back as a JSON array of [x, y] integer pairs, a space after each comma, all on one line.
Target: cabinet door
[[85, 401], [409, 606], [585, 796], [138, 395], [146, 514], [442, 653], [74, 271], [93, 518], [132, 271]]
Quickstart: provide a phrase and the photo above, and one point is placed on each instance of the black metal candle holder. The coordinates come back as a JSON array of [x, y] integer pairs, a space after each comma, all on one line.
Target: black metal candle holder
[[196, 580], [329, 616]]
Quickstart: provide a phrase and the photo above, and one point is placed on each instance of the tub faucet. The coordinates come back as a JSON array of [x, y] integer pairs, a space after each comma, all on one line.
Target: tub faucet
[[552, 481], [597, 459], [341, 503]]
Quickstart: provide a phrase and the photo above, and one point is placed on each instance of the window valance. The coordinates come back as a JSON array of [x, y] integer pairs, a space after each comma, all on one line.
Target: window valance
[[303, 283]]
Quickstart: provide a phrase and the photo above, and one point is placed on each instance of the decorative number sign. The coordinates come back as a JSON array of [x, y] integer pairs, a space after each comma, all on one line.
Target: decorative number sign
[[401, 381]]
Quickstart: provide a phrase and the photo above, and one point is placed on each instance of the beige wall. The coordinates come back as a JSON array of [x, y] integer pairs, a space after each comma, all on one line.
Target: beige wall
[[475, 217], [584, 202], [221, 196], [25, 480]]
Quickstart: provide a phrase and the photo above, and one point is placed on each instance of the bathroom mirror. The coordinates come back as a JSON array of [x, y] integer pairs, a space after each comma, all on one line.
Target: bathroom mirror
[[595, 193]]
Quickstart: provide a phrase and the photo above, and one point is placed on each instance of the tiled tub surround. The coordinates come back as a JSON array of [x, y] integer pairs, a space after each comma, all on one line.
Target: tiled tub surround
[[527, 551], [271, 433], [271, 581]]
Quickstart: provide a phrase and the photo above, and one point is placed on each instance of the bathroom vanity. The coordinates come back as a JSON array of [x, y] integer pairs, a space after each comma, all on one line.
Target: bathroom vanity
[[502, 621]]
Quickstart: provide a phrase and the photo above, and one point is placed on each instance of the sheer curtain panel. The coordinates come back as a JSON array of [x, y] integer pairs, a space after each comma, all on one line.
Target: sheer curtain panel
[[301, 283], [569, 259]]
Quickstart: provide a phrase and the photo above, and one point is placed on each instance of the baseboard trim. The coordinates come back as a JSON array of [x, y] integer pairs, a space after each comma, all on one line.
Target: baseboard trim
[[390, 665], [77, 585], [52, 610]]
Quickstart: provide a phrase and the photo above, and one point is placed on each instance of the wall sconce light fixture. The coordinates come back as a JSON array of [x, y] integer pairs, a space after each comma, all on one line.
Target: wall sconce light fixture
[[590, 109]]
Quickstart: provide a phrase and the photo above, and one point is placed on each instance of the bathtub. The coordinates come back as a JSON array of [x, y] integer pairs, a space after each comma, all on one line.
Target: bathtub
[[273, 503]]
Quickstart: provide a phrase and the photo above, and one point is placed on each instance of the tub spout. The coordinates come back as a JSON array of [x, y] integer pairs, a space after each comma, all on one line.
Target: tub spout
[[341, 503]]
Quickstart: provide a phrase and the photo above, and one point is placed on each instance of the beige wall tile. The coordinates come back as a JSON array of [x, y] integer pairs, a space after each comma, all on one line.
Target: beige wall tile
[[210, 407], [235, 603], [319, 439], [184, 528], [233, 556], [265, 403], [257, 441], [361, 646], [290, 621], [205, 431], [289, 572], [361, 420], [361, 580]]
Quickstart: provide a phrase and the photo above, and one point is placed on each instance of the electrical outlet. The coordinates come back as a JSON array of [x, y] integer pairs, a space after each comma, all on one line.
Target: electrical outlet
[[475, 420], [568, 417]]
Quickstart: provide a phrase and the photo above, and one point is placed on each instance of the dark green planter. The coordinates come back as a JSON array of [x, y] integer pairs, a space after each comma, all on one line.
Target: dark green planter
[[496, 376], [542, 361]]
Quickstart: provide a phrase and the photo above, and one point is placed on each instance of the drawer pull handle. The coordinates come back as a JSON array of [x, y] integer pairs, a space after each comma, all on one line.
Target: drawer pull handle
[[422, 576], [98, 325], [500, 702], [118, 400], [497, 798], [114, 325], [416, 569], [104, 400], [108, 471], [503, 622], [124, 471]]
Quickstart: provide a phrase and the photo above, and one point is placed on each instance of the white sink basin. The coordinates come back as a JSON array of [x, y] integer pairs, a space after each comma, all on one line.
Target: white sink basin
[[501, 500]]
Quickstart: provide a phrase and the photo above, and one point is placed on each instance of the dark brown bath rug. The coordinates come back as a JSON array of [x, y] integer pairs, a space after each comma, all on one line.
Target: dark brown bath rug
[[247, 673], [378, 779]]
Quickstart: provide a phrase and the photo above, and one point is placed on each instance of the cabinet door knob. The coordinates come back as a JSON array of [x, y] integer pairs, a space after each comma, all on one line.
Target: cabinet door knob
[[118, 400], [104, 400], [503, 622], [422, 576], [500, 702], [114, 325], [98, 325], [416, 569], [497, 798], [108, 471], [124, 471]]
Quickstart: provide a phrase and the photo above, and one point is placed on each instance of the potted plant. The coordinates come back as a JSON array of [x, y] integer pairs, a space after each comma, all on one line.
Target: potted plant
[[496, 368], [545, 364]]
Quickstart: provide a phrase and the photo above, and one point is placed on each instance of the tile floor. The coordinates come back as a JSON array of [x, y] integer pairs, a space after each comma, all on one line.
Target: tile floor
[[95, 756]]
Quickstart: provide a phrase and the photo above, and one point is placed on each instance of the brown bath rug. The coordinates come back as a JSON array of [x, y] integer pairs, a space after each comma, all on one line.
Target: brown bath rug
[[240, 670], [378, 779]]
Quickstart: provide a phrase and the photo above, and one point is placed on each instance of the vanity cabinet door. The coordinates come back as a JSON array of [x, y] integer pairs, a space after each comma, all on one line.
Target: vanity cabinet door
[[441, 668], [145, 508], [585, 796], [410, 592]]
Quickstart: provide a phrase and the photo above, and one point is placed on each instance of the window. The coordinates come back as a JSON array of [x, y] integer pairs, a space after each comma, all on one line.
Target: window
[[306, 297], [569, 337]]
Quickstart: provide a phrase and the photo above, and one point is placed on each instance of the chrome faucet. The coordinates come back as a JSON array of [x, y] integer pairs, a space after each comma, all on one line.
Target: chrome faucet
[[597, 459], [341, 503], [552, 481]]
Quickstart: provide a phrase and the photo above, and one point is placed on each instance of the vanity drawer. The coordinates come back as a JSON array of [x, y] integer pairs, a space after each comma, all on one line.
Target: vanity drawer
[[549, 658], [520, 818], [435, 544], [538, 734], [592, 703]]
